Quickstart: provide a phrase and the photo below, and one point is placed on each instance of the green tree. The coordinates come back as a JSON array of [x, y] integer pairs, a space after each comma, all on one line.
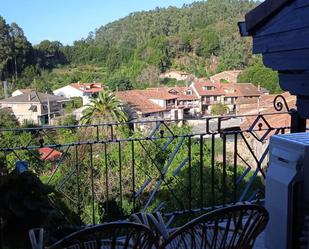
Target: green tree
[[49, 54], [105, 108], [7, 119], [257, 73], [120, 83], [219, 109], [5, 46], [20, 48]]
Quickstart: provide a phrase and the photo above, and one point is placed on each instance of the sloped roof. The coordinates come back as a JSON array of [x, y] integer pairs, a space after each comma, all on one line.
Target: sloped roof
[[138, 101], [26, 90], [233, 73], [88, 87], [266, 104], [181, 93], [263, 13], [157, 93], [33, 97], [240, 90], [49, 154], [277, 120], [200, 85]]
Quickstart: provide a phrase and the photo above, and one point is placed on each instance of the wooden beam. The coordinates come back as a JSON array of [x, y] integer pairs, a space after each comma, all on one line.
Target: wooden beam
[[263, 12]]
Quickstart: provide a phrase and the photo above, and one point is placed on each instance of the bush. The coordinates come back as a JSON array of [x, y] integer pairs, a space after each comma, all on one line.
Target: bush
[[219, 109], [26, 201]]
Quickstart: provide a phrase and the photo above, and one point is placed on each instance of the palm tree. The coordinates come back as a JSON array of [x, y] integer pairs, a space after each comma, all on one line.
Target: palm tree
[[105, 108]]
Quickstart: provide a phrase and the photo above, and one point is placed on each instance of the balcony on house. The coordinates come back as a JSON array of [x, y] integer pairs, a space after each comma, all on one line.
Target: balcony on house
[[105, 174]]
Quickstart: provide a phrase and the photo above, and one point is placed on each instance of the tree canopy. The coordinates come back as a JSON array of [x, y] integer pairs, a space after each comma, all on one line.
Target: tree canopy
[[201, 38]]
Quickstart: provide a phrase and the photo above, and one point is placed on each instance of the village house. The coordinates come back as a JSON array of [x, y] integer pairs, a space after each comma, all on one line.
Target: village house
[[152, 103], [35, 107], [21, 91], [83, 90], [178, 75], [226, 77], [229, 94], [208, 93], [237, 93], [186, 99]]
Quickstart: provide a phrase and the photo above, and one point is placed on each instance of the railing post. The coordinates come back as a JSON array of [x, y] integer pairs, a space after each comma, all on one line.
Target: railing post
[[298, 124]]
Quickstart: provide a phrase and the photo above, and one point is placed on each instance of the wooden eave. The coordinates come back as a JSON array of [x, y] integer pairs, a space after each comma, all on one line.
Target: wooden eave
[[262, 13]]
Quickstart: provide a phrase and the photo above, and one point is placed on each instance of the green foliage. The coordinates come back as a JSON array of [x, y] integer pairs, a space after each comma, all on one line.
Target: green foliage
[[119, 83], [49, 54], [74, 103], [5, 46], [172, 82], [68, 120], [134, 50], [7, 119], [105, 108], [219, 109], [257, 73], [25, 201]]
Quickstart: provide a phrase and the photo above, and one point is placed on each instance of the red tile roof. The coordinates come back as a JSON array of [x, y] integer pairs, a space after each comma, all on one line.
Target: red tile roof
[[266, 104], [200, 88], [180, 92], [88, 87], [49, 154], [138, 101], [276, 120], [157, 93], [240, 90]]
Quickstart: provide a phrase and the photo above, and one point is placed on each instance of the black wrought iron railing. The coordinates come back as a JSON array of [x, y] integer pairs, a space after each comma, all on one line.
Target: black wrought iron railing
[[108, 171]]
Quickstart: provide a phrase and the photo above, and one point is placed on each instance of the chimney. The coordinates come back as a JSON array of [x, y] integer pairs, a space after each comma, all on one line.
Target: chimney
[[29, 97], [259, 87]]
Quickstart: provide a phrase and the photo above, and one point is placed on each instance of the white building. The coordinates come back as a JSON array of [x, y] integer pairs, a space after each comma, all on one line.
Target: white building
[[83, 90], [21, 91], [36, 107], [178, 75]]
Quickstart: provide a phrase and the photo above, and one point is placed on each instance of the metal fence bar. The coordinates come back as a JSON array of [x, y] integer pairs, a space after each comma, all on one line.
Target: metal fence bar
[[190, 173], [120, 174], [213, 197], [92, 185], [224, 169], [178, 162], [201, 170], [133, 175], [235, 168]]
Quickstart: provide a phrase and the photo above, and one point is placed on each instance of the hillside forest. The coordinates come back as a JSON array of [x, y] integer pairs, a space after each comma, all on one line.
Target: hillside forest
[[92, 182], [201, 38]]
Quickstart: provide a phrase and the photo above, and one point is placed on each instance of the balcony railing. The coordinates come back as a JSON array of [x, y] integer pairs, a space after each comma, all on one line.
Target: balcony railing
[[211, 102], [123, 168]]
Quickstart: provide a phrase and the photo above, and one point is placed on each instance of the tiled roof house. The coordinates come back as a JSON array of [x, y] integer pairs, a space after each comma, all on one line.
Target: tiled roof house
[[34, 106], [83, 90]]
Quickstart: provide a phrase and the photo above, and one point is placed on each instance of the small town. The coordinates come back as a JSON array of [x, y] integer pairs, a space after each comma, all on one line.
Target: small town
[[200, 98], [154, 124]]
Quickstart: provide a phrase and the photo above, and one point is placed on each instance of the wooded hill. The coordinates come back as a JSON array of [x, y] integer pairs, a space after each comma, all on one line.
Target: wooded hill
[[201, 38]]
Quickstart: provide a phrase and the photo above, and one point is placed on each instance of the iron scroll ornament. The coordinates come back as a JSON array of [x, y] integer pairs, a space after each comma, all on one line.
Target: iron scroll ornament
[[280, 103]]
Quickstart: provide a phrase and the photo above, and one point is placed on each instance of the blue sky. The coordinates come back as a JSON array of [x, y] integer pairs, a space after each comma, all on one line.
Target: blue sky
[[69, 20]]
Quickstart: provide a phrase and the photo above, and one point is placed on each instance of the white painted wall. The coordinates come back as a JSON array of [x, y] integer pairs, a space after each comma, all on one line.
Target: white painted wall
[[159, 102], [16, 93], [70, 92]]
